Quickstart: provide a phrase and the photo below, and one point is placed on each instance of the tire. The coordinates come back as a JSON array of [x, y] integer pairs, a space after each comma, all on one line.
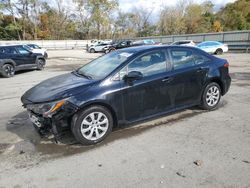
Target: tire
[[92, 50], [106, 51], [219, 51], [40, 64], [8, 70], [46, 55], [211, 96], [86, 125], [112, 49]]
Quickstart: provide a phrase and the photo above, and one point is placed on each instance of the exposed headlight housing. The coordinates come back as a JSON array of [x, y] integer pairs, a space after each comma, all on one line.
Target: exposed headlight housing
[[46, 109]]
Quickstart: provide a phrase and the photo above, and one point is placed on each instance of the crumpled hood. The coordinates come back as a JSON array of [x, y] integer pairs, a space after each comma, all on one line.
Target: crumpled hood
[[56, 88]]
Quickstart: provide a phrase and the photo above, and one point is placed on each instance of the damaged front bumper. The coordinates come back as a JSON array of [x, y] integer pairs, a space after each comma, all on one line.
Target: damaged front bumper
[[57, 123]]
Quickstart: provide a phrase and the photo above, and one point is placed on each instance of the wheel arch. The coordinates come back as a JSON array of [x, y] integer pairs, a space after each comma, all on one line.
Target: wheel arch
[[8, 61], [219, 82]]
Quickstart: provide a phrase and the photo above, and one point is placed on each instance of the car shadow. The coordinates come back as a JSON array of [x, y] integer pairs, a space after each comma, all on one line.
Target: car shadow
[[67, 145]]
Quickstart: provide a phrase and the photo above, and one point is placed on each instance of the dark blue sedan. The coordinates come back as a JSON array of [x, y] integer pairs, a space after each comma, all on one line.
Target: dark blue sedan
[[126, 86]]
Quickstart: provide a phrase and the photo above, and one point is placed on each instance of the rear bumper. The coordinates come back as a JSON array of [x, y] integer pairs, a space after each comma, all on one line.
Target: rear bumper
[[226, 85]]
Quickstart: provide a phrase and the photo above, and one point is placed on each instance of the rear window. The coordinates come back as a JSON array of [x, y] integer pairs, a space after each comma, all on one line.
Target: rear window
[[8, 50]]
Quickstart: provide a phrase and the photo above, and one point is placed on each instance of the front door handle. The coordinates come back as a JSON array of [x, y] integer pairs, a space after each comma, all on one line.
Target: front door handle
[[167, 79]]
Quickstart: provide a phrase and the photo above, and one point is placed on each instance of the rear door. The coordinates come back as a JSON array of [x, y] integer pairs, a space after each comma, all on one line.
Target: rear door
[[11, 53], [189, 70]]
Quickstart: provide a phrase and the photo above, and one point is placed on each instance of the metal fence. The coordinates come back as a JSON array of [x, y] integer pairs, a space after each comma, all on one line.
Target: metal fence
[[236, 40]]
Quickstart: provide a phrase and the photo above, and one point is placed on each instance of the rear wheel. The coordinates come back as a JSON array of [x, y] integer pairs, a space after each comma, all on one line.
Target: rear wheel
[[92, 125], [211, 96], [40, 64], [8, 70], [219, 51]]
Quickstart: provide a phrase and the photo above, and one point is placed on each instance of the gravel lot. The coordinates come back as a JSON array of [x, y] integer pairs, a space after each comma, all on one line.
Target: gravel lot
[[191, 148]]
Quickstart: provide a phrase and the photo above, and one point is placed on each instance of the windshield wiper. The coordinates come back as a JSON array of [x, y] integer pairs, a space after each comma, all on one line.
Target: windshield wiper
[[84, 75]]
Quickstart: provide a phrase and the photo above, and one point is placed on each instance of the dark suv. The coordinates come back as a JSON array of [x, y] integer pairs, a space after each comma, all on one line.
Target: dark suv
[[126, 86], [17, 57], [118, 45]]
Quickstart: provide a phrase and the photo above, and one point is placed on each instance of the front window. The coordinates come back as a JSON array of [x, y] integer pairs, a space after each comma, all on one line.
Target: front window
[[22, 50], [149, 64], [104, 65]]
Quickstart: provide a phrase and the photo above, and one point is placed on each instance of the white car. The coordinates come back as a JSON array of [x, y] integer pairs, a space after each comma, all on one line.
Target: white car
[[97, 47], [213, 47], [37, 49], [184, 43]]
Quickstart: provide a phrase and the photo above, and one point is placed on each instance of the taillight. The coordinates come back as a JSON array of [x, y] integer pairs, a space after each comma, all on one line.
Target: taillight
[[226, 65]]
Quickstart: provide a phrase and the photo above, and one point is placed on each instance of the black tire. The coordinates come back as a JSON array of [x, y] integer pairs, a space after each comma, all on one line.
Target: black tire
[[208, 97], [107, 51], [112, 49], [40, 64], [8, 70], [219, 51], [92, 50], [82, 116], [46, 55]]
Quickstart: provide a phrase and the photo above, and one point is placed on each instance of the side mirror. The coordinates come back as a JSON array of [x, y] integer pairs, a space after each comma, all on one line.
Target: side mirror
[[133, 75]]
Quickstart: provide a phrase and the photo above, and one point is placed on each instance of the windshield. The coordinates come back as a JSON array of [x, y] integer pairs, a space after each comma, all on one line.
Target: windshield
[[104, 65]]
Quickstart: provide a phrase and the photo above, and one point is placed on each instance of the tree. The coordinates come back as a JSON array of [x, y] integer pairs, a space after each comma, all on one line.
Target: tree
[[235, 16], [100, 11]]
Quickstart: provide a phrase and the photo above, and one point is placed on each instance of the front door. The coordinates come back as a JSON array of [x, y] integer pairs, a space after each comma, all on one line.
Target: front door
[[151, 94], [24, 57]]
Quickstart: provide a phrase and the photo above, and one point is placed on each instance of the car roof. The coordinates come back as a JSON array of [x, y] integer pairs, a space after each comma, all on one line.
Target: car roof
[[184, 41], [11, 45], [211, 41], [138, 49]]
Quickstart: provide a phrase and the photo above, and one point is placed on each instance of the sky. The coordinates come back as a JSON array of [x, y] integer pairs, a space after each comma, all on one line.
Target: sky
[[127, 5]]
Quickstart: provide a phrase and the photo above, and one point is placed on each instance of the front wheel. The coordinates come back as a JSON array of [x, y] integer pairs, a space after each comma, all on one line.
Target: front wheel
[[92, 125], [211, 96], [40, 64], [92, 50]]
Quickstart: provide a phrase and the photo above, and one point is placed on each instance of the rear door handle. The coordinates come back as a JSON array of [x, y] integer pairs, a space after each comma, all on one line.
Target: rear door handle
[[201, 69], [167, 79]]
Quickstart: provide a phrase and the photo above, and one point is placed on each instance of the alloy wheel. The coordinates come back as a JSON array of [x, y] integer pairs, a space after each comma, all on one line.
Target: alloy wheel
[[212, 96], [94, 126], [9, 70]]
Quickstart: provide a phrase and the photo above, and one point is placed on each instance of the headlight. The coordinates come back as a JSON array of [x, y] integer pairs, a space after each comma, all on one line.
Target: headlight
[[46, 109]]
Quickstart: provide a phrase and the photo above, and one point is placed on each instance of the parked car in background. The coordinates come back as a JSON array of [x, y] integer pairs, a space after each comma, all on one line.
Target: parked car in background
[[213, 47], [143, 42], [17, 57], [37, 49], [125, 86], [97, 48], [184, 43], [118, 45]]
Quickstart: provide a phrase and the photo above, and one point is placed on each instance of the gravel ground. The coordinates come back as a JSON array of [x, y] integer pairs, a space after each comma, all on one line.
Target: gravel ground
[[191, 148]]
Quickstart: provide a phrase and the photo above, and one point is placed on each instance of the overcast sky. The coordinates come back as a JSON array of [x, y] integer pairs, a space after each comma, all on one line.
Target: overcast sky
[[127, 5]]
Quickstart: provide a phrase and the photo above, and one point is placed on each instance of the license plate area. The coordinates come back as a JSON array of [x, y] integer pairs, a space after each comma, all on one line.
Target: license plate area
[[34, 119]]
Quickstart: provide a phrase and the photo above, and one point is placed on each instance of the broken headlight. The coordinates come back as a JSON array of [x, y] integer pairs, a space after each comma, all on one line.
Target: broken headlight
[[46, 109]]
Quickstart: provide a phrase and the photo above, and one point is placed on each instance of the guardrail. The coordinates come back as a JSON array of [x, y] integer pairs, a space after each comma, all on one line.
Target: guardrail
[[52, 44]]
